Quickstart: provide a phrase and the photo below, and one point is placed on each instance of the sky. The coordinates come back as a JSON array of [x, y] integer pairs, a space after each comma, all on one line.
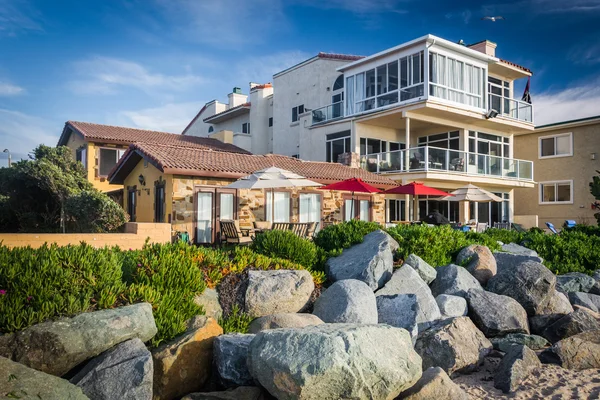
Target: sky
[[153, 63]]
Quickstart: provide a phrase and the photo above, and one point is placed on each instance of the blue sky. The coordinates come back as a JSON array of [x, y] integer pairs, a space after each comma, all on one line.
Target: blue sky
[[154, 63]]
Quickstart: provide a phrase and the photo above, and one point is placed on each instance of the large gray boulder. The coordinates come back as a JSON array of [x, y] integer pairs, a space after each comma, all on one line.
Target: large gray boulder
[[591, 301], [503, 343], [574, 282], [596, 275], [407, 281], [209, 301], [455, 345], [514, 248], [496, 315], [508, 260], [57, 346], [454, 280], [123, 372], [19, 382], [580, 320], [557, 307], [371, 261], [451, 306], [271, 292], [283, 320], [435, 384], [479, 261], [347, 301], [529, 283], [425, 271], [516, 365], [335, 361], [400, 311], [579, 352], [240, 393], [230, 354]]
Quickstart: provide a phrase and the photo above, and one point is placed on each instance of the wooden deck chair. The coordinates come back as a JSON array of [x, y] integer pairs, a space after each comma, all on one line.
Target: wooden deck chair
[[230, 229]]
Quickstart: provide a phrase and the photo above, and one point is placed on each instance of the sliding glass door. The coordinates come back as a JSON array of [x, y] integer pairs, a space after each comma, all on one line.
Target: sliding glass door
[[310, 208], [212, 206], [204, 223]]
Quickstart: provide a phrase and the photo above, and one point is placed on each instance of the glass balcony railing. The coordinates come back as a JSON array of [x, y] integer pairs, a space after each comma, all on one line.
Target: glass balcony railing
[[332, 111], [446, 160], [511, 108]]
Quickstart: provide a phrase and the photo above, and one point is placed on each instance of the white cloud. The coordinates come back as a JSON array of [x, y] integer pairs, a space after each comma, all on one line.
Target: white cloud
[[17, 16], [21, 133], [566, 6], [587, 53], [575, 102], [8, 89], [360, 6], [105, 75], [172, 117]]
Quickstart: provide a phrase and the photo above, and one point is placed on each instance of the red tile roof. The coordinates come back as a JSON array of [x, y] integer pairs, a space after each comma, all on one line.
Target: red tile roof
[[515, 65], [122, 135], [262, 86], [336, 56], [197, 162]]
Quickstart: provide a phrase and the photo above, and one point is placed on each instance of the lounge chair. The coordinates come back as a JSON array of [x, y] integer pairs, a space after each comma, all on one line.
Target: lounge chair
[[311, 230], [232, 233], [550, 226], [281, 226], [518, 227]]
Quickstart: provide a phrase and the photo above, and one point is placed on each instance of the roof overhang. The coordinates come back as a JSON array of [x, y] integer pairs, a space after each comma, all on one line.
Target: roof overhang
[[228, 114], [66, 134], [568, 124], [508, 70]]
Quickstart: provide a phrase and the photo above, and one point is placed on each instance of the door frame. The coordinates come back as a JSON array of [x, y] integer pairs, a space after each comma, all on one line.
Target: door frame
[[216, 207]]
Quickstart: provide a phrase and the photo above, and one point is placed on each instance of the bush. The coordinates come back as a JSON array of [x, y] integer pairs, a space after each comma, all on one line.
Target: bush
[[504, 235], [286, 245], [93, 211], [344, 235], [236, 322]]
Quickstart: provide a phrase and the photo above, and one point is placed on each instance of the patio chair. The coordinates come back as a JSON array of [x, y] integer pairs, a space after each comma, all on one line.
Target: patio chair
[[481, 227], [232, 233], [262, 226], [550, 226], [299, 229], [518, 227], [281, 226], [502, 225]]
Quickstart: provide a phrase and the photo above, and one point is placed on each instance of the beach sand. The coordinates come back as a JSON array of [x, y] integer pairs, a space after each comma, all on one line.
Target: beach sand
[[549, 382]]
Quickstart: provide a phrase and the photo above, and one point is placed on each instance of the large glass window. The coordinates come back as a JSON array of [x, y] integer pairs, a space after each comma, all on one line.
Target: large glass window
[[455, 80], [556, 145], [493, 212], [499, 92], [336, 144], [395, 210], [310, 208], [374, 146], [448, 209], [108, 159], [446, 140], [278, 206], [556, 192]]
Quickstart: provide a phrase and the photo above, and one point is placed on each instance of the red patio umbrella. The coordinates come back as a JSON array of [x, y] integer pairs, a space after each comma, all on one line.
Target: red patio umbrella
[[417, 189], [353, 185]]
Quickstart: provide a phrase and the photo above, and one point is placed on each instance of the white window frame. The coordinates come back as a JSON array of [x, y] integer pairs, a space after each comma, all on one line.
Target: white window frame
[[570, 154], [328, 143], [246, 125], [120, 153], [555, 183]]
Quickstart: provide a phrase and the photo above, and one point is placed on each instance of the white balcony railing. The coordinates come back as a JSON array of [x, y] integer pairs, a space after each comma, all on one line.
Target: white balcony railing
[[511, 108], [332, 111], [450, 161]]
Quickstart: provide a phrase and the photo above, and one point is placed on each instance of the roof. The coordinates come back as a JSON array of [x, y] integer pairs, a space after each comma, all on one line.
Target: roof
[[196, 117], [197, 162], [322, 55], [515, 65], [261, 86], [579, 121], [229, 113], [122, 135]]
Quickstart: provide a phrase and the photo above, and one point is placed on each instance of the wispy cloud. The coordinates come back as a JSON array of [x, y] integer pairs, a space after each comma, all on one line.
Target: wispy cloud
[[361, 6], [22, 132], [585, 53], [578, 101], [8, 89], [465, 16], [566, 6], [18, 16], [104, 75], [172, 117]]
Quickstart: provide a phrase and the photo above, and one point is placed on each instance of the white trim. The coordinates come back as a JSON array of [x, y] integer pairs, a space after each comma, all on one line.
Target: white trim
[[540, 138], [555, 183]]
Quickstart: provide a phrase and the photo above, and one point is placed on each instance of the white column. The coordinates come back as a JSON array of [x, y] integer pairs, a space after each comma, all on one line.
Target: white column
[[407, 207], [407, 142]]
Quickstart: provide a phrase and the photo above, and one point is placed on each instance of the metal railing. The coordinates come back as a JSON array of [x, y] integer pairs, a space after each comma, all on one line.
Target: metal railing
[[446, 160], [332, 111], [511, 108]]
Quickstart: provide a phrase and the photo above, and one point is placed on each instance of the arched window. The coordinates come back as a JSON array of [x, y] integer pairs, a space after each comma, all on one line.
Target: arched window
[[339, 83], [210, 129]]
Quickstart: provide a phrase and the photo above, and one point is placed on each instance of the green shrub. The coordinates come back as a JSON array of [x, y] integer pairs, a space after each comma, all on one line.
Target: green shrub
[[93, 211], [344, 235], [51, 281], [286, 245], [505, 235], [236, 322]]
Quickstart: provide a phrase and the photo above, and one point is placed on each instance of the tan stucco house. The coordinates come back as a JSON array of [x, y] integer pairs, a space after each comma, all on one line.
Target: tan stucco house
[[566, 156]]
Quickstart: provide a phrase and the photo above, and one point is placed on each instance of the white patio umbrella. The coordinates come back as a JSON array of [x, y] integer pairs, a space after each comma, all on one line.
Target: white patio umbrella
[[272, 178], [472, 193]]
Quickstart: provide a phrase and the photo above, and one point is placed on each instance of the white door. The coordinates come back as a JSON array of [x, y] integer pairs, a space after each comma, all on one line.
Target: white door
[[310, 208], [204, 226], [226, 206]]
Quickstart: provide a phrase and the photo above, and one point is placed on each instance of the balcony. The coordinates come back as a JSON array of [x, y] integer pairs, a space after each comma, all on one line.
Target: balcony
[[447, 161], [511, 108], [327, 113]]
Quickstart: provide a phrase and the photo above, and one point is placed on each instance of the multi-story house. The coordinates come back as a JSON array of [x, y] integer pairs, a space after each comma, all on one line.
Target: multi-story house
[[566, 158], [428, 110]]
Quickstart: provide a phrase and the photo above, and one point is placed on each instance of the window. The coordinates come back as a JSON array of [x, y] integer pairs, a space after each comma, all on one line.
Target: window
[[211, 129], [339, 83], [499, 92], [246, 127], [278, 206], [558, 192], [310, 207], [296, 112], [447, 140], [357, 208], [449, 209], [556, 145], [270, 121], [131, 203], [374, 146], [81, 156], [159, 202], [108, 159], [336, 144], [395, 210], [455, 80]]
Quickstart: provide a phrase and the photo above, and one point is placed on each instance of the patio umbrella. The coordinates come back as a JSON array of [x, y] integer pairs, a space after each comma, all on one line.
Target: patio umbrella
[[472, 193], [416, 189], [352, 185], [272, 178]]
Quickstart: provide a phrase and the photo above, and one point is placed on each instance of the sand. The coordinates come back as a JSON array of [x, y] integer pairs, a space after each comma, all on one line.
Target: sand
[[549, 382]]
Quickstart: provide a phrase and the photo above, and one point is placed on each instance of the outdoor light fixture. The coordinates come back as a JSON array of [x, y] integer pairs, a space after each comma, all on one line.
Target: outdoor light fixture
[[9, 157], [491, 114], [142, 180]]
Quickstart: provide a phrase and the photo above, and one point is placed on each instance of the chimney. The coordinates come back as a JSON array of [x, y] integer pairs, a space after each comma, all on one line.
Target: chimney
[[485, 47], [236, 98]]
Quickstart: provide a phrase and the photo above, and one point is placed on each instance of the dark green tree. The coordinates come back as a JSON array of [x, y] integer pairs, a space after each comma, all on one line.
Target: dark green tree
[[595, 191]]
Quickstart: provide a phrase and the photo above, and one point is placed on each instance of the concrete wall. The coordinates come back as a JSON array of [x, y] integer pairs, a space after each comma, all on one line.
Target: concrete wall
[[145, 194], [199, 127], [260, 112], [579, 167], [134, 237], [312, 147]]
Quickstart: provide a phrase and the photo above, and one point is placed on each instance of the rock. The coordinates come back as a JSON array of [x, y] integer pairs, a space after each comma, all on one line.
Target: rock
[[557, 307], [371, 261], [596, 275], [508, 260], [209, 300], [514, 248], [57, 346], [496, 315], [595, 289], [283, 320], [579, 352], [503, 343], [230, 353], [435, 384], [347, 301], [425, 271], [516, 365], [20, 382], [407, 281], [400, 311], [183, 364], [241, 393], [335, 361], [529, 283], [455, 345], [271, 292], [580, 320], [454, 280], [479, 261], [123, 372], [587, 300], [574, 282], [451, 306]]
